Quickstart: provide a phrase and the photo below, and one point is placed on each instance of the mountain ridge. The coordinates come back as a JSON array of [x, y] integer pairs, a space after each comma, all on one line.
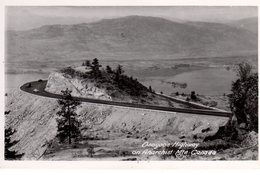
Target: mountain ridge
[[132, 36], [250, 24]]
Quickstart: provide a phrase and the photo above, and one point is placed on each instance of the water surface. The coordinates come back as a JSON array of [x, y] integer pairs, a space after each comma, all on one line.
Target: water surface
[[212, 81], [14, 81]]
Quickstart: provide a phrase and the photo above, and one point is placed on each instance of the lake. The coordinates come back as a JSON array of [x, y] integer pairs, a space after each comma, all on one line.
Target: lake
[[212, 81]]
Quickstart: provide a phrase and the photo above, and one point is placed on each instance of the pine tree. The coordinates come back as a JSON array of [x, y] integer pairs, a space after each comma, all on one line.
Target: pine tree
[[119, 71], [87, 63], [109, 70], [193, 96], [68, 125], [150, 89], [95, 68], [10, 155], [244, 97]]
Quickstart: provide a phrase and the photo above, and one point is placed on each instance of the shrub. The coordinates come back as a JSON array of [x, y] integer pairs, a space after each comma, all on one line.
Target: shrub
[[193, 96], [69, 71], [244, 97]]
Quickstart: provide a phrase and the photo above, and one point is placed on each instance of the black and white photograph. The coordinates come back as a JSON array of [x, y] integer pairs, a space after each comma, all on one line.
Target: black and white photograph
[[131, 83]]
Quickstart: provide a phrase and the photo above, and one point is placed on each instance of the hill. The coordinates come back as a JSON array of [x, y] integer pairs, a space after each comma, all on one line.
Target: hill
[[106, 85], [132, 37], [250, 24]]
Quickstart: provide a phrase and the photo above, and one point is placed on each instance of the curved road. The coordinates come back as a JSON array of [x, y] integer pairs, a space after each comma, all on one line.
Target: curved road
[[40, 86]]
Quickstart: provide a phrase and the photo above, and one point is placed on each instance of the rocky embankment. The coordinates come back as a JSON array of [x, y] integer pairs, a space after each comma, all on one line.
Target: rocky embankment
[[34, 119], [79, 87]]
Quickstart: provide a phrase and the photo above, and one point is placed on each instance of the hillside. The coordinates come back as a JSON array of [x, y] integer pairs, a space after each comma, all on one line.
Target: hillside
[[250, 24], [114, 132], [107, 86], [132, 37]]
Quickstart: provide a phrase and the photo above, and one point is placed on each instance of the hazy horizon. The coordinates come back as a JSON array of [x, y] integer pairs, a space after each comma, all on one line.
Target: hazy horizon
[[28, 17]]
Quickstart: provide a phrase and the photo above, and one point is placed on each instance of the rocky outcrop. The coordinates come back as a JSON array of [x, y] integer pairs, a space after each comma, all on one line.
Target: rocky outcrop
[[80, 88], [33, 118]]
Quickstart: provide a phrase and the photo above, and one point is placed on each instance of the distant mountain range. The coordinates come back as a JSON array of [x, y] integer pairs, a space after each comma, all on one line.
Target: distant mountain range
[[250, 24], [132, 37]]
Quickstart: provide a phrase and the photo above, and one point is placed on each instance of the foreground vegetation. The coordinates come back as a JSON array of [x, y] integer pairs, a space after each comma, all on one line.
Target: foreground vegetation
[[244, 98], [9, 153], [67, 121]]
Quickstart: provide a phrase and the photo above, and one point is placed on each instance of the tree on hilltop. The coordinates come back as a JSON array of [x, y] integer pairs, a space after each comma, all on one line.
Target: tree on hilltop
[[150, 89], [119, 71], [86, 63], [109, 70], [193, 95], [95, 68]]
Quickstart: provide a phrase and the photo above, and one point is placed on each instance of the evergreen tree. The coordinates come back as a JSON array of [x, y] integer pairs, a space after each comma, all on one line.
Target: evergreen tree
[[95, 68], [109, 70], [150, 89], [193, 95], [244, 97], [68, 125], [87, 63], [119, 71], [10, 155]]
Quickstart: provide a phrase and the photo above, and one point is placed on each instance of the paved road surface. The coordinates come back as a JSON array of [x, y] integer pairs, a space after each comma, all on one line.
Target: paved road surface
[[40, 86]]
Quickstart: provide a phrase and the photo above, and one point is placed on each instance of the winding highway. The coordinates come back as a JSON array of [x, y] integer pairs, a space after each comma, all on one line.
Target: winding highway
[[38, 88]]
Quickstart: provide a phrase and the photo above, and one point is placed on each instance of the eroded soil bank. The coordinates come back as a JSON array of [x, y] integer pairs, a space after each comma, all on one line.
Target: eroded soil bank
[[112, 133]]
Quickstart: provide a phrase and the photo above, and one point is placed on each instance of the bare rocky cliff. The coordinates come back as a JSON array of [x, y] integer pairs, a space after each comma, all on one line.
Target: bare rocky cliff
[[58, 81]]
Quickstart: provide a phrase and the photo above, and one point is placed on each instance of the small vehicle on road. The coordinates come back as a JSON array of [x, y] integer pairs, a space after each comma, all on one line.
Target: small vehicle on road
[[40, 80], [36, 90]]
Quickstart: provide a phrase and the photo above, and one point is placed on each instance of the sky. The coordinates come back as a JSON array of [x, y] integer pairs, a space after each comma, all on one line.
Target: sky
[[28, 17]]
